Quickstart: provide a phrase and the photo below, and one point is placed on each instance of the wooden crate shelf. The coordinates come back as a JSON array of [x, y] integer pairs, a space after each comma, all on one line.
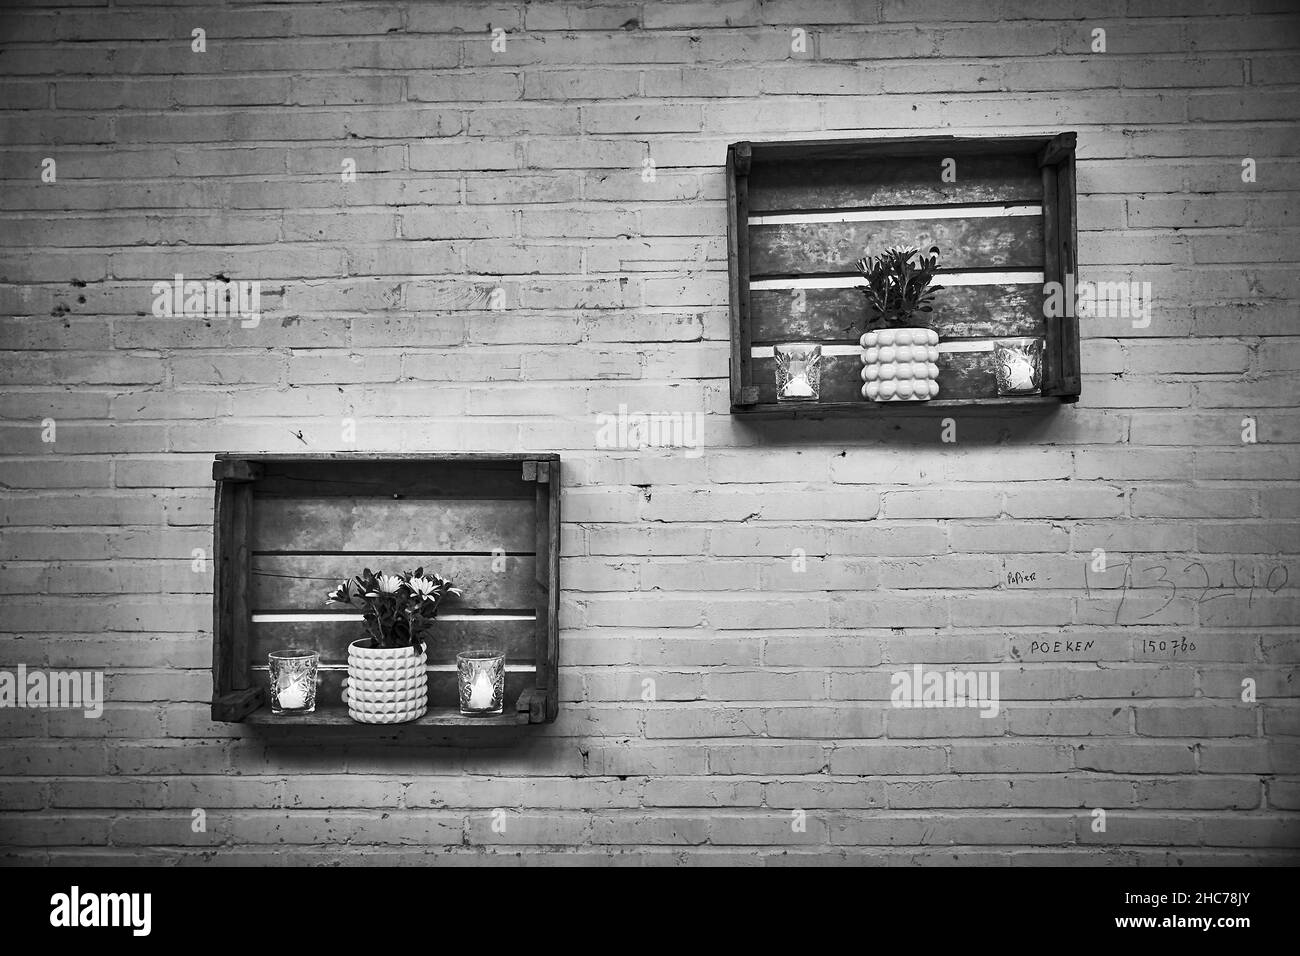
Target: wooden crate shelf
[[801, 213], [290, 527]]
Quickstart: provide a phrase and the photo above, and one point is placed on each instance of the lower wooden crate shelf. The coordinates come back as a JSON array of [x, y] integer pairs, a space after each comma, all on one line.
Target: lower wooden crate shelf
[[289, 527], [336, 715]]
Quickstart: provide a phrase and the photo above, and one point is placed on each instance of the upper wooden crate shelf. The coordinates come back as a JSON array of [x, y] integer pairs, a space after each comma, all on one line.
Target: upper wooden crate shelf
[[802, 213], [291, 527]]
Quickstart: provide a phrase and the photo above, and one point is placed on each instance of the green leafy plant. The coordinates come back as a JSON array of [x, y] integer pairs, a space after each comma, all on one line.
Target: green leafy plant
[[397, 608], [898, 286]]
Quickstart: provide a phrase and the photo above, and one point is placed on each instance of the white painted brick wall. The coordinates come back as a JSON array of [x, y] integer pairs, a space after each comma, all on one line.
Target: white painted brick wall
[[521, 170]]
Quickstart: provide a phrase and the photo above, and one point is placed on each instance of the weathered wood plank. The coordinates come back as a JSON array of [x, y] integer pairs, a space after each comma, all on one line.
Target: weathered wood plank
[[434, 720], [364, 524], [1053, 271], [1057, 149], [866, 411], [1069, 329], [859, 148], [548, 551], [961, 375], [392, 479], [914, 179], [738, 164], [797, 249], [234, 469], [442, 688], [300, 582], [238, 704], [840, 315], [445, 639], [222, 595], [241, 501]]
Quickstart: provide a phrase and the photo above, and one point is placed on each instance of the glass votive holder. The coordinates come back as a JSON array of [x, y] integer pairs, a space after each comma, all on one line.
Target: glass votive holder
[[1018, 366], [292, 681], [481, 680], [798, 372]]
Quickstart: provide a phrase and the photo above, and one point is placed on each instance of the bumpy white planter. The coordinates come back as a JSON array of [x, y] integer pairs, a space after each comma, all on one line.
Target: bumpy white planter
[[386, 685], [899, 365]]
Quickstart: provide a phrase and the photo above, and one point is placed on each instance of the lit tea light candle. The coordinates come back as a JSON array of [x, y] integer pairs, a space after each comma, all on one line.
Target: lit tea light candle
[[481, 692], [798, 387], [293, 695], [1020, 372]]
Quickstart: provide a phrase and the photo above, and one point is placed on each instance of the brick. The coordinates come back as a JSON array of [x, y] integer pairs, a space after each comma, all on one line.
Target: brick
[[965, 503], [1218, 720], [1199, 794], [1266, 831], [1011, 757], [855, 794], [661, 828], [883, 758], [766, 758], [1008, 538], [770, 828], [1245, 756], [1125, 757]]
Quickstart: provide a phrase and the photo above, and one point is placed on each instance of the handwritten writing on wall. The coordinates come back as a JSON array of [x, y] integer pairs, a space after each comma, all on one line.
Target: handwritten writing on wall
[[1192, 576]]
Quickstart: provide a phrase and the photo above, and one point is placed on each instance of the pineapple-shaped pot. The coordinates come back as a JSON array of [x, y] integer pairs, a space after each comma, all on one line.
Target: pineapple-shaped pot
[[385, 685], [899, 365]]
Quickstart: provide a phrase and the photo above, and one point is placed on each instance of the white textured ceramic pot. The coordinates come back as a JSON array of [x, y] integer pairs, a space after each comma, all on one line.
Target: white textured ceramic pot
[[899, 365], [385, 685]]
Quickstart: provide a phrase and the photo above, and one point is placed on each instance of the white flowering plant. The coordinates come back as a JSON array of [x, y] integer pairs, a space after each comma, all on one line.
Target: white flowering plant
[[397, 608]]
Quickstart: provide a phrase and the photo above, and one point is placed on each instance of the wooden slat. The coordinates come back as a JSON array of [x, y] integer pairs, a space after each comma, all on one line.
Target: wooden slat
[[285, 582], [223, 545], [444, 640], [548, 595], [839, 315], [1069, 333], [442, 688], [435, 720], [860, 409], [1058, 148], [1053, 271], [982, 242], [872, 148], [233, 696], [903, 180], [235, 469], [738, 163], [393, 479], [362, 524], [236, 705], [436, 460], [240, 533], [961, 375]]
